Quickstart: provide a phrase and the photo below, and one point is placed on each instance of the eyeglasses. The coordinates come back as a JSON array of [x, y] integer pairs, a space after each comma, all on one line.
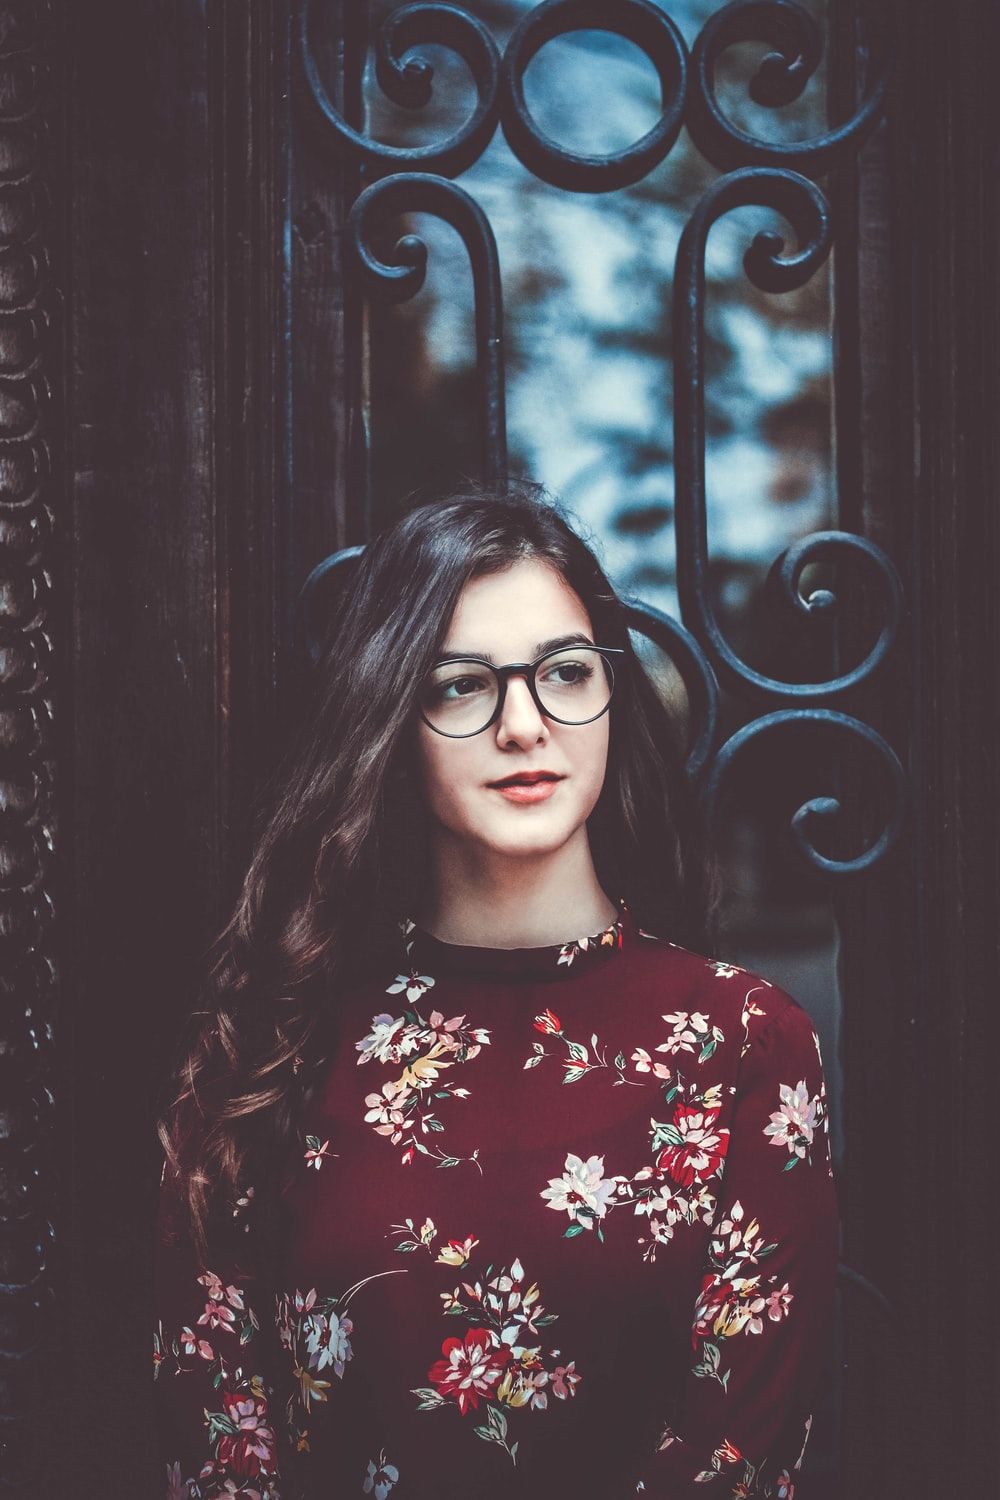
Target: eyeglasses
[[463, 695]]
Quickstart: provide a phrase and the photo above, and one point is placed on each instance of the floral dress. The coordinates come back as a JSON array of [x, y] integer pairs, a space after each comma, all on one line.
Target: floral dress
[[562, 1222]]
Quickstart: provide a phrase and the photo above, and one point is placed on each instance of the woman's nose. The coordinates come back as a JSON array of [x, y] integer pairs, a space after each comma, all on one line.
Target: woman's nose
[[520, 711]]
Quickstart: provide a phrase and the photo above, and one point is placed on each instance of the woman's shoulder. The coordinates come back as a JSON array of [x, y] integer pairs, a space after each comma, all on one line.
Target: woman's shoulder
[[714, 995]]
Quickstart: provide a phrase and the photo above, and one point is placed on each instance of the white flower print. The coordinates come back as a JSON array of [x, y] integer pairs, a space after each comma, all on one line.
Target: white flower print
[[583, 1191], [414, 985], [794, 1123], [688, 1028], [387, 1040], [691, 1031], [327, 1340]]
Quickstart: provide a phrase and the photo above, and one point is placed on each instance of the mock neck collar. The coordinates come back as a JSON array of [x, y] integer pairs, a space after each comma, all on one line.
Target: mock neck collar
[[431, 956]]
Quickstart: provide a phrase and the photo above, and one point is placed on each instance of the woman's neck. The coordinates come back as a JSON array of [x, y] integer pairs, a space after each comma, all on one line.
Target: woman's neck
[[515, 903]]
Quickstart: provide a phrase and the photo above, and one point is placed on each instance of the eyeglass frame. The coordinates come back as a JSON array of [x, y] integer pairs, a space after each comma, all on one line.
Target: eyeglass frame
[[527, 669]]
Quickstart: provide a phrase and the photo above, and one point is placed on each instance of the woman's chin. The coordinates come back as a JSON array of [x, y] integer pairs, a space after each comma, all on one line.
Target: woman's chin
[[537, 835]]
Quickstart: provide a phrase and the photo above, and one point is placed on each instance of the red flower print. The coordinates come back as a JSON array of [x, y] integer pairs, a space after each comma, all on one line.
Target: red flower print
[[470, 1368], [714, 1297], [249, 1450], [548, 1023], [699, 1153]]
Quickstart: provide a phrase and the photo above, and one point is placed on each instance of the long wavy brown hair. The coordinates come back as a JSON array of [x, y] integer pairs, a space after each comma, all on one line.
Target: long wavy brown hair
[[343, 844]]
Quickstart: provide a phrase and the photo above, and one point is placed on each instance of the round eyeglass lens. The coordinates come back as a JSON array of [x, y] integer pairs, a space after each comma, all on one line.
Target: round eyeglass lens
[[574, 685]]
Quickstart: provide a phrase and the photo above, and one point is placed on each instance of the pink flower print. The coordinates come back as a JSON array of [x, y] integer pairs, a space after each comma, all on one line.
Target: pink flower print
[[565, 1379], [645, 1064], [446, 1029], [779, 1302], [784, 1488], [219, 1293], [470, 1368], [219, 1310], [217, 1315], [316, 1154], [385, 1108], [192, 1344]]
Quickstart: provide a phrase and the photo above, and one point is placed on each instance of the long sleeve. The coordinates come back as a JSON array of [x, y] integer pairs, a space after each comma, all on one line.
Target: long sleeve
[[213, 1400], [762, 1316]]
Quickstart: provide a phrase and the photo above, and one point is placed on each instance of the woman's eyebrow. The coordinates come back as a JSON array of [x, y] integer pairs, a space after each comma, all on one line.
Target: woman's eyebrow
[[576, 638]]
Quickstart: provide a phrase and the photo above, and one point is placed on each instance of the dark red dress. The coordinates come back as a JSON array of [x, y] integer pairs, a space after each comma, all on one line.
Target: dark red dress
[[562, 1222]]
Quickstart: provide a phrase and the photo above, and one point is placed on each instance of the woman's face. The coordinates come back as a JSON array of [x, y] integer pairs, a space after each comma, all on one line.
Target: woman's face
[[508, 617]]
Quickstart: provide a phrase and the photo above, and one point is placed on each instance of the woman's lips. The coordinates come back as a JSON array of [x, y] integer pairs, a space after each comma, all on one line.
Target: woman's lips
[[527, 791]]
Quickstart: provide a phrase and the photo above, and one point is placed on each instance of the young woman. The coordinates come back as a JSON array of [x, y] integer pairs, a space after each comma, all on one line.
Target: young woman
[[482, 1178]]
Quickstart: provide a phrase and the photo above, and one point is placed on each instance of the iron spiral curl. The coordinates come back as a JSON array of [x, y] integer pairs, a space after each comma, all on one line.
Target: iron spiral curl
[[780, 78], [408, 81], [412, 192]]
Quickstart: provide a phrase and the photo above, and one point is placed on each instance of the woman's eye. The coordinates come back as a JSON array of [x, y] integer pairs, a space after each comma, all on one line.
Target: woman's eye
[[576, 672], [464, 687]]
